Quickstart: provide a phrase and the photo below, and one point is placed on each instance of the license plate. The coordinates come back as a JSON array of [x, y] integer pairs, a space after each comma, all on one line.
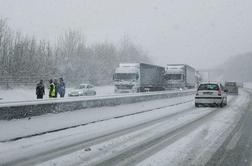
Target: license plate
[[207, 93]]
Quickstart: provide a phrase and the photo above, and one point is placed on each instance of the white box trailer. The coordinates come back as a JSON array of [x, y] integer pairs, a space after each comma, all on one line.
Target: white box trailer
[[180, 76], [138, 77]]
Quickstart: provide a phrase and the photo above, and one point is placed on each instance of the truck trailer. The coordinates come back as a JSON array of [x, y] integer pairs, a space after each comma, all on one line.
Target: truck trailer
[[138, 77], [180, 76]]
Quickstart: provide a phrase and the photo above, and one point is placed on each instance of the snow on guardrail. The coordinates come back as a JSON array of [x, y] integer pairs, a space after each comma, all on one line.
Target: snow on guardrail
[[20, 110]]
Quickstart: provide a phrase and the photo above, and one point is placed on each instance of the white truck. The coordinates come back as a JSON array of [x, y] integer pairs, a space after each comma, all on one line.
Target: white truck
[[180, 76], [138, 77]]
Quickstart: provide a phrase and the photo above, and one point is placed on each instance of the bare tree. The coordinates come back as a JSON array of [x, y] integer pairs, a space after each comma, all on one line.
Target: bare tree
[[130, 52], [25, 60]]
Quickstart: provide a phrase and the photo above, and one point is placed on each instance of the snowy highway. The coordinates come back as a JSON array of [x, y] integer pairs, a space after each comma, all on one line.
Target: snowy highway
[[125, 83], [159, 132]]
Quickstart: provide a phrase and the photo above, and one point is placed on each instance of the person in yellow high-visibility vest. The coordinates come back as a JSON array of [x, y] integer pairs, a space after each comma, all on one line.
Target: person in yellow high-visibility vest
[[52, 89]]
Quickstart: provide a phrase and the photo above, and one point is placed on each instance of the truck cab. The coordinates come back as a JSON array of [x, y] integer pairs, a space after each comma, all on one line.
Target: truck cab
[[174, 76], [180, 76], [138, 77], [126, 78]]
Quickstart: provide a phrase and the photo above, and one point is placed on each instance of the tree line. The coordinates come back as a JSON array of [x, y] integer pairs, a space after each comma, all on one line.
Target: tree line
[[24, 59]]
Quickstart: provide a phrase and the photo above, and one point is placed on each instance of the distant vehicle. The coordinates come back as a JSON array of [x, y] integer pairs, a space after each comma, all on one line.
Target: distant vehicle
[[239, 84], [180, 76], [198, 78], [231, 87], [138, 77], [211, 94], [83, 90]]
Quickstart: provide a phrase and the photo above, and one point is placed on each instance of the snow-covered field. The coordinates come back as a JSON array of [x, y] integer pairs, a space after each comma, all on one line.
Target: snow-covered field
[[161, 132], [28, 94], [248, 85]]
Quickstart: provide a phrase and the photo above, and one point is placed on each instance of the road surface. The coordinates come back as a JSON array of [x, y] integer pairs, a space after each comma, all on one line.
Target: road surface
[[238, 149], [161, 132]]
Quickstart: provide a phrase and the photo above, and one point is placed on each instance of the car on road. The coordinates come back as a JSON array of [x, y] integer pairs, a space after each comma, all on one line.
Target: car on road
[[231, 87], [83, 90], [211, 94]]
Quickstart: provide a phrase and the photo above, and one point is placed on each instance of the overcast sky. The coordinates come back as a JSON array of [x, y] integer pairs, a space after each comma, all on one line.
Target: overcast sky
[[202, 33]]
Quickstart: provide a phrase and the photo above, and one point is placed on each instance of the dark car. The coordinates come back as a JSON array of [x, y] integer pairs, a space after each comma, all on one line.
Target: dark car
[[231, 88]]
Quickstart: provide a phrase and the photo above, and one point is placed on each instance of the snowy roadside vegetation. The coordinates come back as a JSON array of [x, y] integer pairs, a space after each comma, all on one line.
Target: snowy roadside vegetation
[[25, 60]]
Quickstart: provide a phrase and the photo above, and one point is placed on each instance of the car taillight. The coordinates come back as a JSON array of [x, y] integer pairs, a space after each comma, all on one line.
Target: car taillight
[[219, 92]]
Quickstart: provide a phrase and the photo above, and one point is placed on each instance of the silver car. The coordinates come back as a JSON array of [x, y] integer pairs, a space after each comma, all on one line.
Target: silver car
[[83, 90], [211, 94]]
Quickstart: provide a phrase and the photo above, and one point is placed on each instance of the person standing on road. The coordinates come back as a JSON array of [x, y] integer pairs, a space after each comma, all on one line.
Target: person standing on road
[[40, 90], [56, 87], [61, 88], [52, 89]]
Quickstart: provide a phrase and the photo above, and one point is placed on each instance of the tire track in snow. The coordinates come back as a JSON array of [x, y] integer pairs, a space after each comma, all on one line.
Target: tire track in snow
[[83, 124], [66, 149]]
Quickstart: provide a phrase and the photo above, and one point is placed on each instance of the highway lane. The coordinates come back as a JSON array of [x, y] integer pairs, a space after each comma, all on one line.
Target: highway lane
[[126, 144], [117, 151], [51, 145], [238, 149]]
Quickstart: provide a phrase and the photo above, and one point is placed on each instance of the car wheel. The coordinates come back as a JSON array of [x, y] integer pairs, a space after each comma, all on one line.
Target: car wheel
[[226, 102]]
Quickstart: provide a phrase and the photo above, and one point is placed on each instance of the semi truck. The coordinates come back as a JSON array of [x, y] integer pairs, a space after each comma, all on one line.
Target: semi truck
[[180, 76], [138, 77]]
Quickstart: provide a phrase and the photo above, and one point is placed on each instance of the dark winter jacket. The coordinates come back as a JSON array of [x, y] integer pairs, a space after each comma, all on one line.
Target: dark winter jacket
[[56, 88], [61, 89], [40, 90]]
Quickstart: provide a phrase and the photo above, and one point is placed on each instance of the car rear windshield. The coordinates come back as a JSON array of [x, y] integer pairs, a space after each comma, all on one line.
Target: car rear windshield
[[208, 87]]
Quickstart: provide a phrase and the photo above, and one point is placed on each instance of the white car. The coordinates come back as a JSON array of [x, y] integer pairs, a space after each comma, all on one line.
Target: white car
[[211, 94], [83, 90]]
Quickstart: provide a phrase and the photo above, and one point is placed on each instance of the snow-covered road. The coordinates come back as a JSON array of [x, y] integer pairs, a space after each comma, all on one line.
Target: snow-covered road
[[160, 132]]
